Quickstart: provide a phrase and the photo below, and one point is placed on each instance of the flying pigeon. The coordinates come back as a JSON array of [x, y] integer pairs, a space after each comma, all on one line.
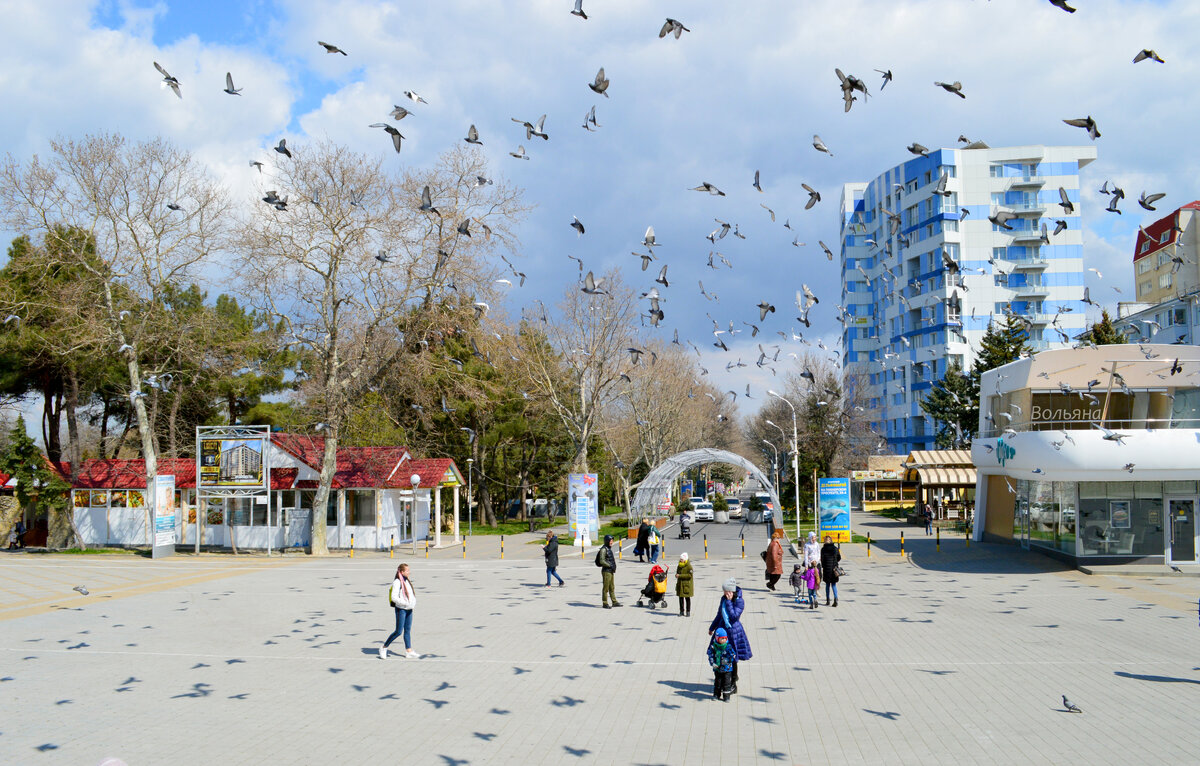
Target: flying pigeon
[[579, 10], [1062, 4], [952, 87], [600, 84], [1146, 53], [534, 129], [577, 225], [519, 153], [672, 27], [427, 202], [887, 77], [414, 97], [707, 187], [330, 48], [399, 112], [229, 85], [819, 145], [814, 196], [1087, 123], [591, 285], [756, 184], [168, 81], [1147, 200], [391, 131], [282, 148], [472, 137]]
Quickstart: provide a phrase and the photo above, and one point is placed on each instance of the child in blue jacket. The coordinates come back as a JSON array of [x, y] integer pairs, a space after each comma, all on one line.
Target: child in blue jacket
[[721, 657]]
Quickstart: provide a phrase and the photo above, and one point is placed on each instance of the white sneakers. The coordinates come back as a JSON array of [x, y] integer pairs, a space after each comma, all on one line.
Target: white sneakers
[[409, 653]]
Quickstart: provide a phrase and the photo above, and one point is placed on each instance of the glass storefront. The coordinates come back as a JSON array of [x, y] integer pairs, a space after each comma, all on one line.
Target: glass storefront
[[1094, 518]]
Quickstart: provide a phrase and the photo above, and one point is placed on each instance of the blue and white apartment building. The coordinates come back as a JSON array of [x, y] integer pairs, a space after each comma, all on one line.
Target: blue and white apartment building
[[910, 317]]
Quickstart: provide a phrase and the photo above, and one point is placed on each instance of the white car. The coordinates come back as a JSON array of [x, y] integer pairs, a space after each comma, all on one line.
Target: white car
[[702, 511]]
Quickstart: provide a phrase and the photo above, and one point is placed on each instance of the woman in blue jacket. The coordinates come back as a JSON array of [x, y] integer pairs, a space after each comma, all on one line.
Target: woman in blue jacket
[[729, 617]]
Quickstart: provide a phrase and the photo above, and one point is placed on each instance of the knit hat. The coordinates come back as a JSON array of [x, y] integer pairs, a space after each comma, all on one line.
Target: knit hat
[[608, 539], [683, 556], [721, 633], [797, 566], [729, 585]]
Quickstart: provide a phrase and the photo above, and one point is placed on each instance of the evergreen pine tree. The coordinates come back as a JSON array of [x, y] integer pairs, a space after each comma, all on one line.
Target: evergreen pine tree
[[1103, 333], [953, 402]]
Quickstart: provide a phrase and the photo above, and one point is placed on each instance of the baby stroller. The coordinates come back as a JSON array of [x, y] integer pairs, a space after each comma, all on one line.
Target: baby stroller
[[655, 591], [685, 527]]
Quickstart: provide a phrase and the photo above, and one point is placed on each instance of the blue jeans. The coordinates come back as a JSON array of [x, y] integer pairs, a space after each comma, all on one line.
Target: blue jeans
[[829, 585], [403, 625], [552, 571], [653, 554]]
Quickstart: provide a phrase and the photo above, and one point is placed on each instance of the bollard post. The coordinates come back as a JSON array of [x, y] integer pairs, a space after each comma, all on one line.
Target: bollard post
[[501, 547], [968, 535], [706, 547], [901, 545], [426, 547], [868, 545], [619, 552], [938, 532], [392, 547], [351, 545], [743, 545], [464, 549], [581, 549]]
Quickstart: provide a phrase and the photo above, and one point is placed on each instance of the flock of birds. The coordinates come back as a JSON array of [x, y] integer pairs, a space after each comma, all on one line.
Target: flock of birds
[[852, 88]]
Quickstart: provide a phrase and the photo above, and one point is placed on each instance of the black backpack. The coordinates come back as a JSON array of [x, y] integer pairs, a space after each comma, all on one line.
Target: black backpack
[[600, 559]]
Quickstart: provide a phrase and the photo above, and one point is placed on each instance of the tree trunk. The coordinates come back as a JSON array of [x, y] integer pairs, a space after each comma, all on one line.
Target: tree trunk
[[232, 535], [104, 411], [52, 422], [328, 468], [485, 494], [149, 449], [173, 425], [75, 450]]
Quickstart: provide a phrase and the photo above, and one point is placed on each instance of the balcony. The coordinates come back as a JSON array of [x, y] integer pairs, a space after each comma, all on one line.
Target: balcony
[[1033, 209], [1027, 182], [1027, 235], [1029, 264], [1031, 290], [1038, 318]]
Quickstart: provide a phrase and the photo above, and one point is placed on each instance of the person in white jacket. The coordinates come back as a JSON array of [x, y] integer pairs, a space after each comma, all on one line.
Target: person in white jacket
[[812, 550], [403, 599]]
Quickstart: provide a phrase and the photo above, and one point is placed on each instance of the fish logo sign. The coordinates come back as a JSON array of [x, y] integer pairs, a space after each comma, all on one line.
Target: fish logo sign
[[1004, 452]]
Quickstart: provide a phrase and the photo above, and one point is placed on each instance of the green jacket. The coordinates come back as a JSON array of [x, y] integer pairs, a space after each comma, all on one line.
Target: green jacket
[[683, 579]]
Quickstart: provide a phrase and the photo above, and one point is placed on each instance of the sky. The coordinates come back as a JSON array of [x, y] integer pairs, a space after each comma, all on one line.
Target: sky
[[745, 89]]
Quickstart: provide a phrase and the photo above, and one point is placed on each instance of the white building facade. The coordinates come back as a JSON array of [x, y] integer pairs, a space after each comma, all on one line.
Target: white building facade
[[1093, 454], [910, 316]]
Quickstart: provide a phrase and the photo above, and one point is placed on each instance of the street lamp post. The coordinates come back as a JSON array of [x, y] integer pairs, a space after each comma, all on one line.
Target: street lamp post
[[774, 462], [470, 498], [776, 477], [795, 459], [415, 480]]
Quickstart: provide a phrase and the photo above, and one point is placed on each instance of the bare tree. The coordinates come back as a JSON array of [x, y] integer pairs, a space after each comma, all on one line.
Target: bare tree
[[579, 369], [354, 261], [150, 216]]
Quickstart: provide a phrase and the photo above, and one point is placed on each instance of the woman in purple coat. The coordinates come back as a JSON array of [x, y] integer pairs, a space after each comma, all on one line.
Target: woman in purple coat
[[729, 617]]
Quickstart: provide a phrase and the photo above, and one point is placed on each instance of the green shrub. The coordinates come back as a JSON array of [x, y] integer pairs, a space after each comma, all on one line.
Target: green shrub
[[719, 504]]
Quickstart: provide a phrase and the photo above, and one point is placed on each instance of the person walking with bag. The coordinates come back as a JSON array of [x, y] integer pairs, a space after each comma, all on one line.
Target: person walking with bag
[[831, 558], [729, 617], [403, 599], [550, 551], [684, 585]]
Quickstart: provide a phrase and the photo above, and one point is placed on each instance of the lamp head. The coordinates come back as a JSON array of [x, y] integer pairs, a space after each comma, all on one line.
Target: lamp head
[[772, 392], [415, 480]]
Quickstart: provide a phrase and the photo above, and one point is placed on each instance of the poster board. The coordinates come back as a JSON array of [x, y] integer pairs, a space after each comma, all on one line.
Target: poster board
[[833, 504], [582, 507], [231, 463], [162, 495]]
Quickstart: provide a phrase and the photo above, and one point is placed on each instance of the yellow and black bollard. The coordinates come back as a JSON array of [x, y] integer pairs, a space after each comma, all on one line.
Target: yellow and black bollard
[[501, 546], [426, 547], [938, 532], [392, 547], [464, 548], [620, 550], [706, 547], [868, 545], [743, 546], [901, 545], [967, 530], [351, 545]]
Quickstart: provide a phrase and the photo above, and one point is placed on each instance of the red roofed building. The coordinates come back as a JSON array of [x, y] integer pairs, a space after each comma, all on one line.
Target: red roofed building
[[373, 499], [1157, 277]]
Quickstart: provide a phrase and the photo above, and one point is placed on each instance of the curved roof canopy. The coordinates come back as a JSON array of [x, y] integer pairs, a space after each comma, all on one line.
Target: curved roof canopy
[[657, 485]]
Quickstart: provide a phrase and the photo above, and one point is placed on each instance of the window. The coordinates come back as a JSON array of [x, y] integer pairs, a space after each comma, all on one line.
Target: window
[[1164, 280], [1143, 287], [1164, 258], [1165, 236], [996, 171], [360, 508], [999, 253], [928, 176], [1001, 278], [1145, 246], [950, 225], [950, 171], [1180, 317], [997, 198], [1145, 264]]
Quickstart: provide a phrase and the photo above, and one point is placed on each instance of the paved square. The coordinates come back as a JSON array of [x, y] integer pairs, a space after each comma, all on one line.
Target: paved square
[[952, 657]]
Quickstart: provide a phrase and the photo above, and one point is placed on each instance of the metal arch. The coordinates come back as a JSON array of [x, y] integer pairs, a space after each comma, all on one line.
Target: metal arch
[[657, 485]]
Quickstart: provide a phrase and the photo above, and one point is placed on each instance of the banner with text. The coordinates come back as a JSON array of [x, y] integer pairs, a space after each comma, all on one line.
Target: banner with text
[[833, 504], [582, 508]]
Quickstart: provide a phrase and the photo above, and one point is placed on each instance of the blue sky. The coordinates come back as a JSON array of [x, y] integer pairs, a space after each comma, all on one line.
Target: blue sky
[[745, 89]]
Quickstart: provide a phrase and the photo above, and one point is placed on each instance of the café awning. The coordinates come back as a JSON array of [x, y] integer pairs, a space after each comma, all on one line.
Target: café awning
[[946, 477]]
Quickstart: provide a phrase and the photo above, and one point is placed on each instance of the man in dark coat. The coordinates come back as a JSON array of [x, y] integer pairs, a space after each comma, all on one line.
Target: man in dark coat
[[607, 561], [642, 548], [550, 551]]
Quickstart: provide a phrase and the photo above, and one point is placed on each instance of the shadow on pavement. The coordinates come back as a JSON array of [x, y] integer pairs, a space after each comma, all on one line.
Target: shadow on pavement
[[690, 690], [1158, 679]]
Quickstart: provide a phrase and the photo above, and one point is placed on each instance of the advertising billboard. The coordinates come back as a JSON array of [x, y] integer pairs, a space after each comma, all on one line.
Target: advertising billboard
[[163, 494], [833, 504], [230, 463], [582, 507]]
